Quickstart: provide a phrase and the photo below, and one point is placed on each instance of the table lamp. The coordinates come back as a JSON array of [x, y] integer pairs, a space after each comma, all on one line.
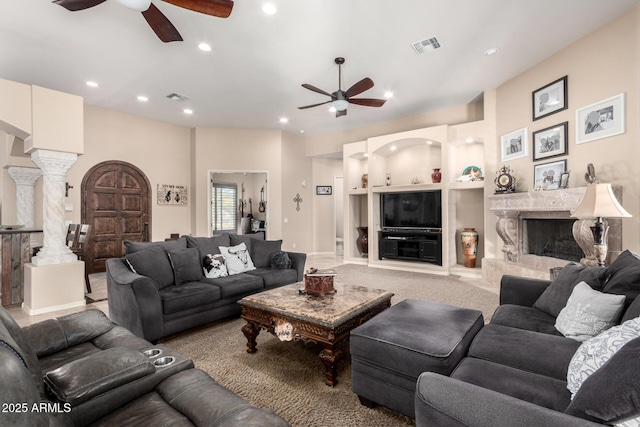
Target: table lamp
[[599, 202]]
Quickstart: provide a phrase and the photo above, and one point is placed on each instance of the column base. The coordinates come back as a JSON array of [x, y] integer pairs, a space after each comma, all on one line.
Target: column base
[[54, 256], [53, 287]]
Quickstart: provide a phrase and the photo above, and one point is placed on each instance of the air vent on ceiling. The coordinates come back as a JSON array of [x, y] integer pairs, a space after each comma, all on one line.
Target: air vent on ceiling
[[177, 97], [426, 45]]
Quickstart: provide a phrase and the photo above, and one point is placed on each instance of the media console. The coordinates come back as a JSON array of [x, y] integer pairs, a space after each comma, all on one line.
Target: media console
[[424, 245]]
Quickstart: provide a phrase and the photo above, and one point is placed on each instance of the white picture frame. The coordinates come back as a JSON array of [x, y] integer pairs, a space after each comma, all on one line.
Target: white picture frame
[[601, 119], [547, 176], [514, 145]]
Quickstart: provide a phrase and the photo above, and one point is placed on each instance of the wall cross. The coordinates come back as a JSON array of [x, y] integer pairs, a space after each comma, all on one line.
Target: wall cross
[[297, 200]]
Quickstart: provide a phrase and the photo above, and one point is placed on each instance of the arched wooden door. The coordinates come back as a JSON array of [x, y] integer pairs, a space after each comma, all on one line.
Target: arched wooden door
[[116, 203]]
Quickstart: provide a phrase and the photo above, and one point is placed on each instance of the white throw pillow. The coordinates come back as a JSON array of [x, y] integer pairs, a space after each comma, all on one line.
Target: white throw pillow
[[237, 258], [588, 312], [595, 352], [214, 266]]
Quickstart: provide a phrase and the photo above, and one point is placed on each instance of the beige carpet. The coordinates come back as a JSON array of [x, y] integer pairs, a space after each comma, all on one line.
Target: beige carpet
[[288, 377]]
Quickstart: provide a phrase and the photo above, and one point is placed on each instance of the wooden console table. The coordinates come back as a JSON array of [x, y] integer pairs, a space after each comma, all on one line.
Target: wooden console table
[[15, 252]]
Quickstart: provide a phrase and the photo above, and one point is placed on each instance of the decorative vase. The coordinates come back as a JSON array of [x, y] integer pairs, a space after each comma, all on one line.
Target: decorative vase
[[362, 241], [469, 238], [436, 176], [364, 181]]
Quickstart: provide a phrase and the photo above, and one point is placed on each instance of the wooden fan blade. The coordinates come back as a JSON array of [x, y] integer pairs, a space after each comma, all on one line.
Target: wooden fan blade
[[219, 8], [367, 102], [361, 86], [341, 113], [315, 89], [160, 25], [75, 5], [314, 105]]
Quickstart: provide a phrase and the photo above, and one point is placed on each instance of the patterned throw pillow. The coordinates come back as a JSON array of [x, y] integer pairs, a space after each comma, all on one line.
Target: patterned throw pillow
[[237, 258], [588, 312], [596, 351], [214, 266]]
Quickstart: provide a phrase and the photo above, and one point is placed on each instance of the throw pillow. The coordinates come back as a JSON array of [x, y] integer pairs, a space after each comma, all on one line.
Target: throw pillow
[[611, 395], [186, 265], [588, 312], [154, 263], [132, 247], [280, 261], [623, 276], [595, 352], [555, 297], [261, 251], [214, 266], [247, 239], [237, 258]]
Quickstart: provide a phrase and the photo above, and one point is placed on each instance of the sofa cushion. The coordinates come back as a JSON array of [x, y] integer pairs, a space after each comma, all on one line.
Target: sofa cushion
[[280, 260], [261, 251], [237, 258], [186, 265], [612, 393], [154, 263], [588, 312], [247, 239], [180, 298], [529, 318], [623, 276], [555, 296], [208, 245], [273, 277], [132, 247], [596, 351], [237, 285], [214, 266]]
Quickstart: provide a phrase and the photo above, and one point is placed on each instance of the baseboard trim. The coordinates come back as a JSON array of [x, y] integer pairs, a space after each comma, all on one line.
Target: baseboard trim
[[32, 312]]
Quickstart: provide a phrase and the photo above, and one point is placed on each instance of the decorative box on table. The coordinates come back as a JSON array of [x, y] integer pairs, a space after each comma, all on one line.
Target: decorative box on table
[[319, 282]]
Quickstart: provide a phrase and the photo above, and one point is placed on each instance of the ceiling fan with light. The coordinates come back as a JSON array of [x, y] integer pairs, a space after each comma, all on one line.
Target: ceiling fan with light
[[341, 99], [159, 23]]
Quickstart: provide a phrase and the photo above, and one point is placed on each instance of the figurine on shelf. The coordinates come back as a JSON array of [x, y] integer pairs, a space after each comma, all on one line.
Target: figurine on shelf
[[388, 182]]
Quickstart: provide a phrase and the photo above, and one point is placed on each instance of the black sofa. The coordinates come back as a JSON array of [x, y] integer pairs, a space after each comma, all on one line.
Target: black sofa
[[82, 369], [515, 372], [159, 288]]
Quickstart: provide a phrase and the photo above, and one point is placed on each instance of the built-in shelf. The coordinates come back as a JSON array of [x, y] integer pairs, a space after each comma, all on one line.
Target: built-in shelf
[[466, 185], [358, 191]]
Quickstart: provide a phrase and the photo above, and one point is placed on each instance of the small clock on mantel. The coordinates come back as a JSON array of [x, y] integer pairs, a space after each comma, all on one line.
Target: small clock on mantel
[[505, 180]]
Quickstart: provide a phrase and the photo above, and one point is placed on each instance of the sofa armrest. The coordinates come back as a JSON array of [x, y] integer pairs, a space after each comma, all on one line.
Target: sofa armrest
[[521, 290], [444, 401], [134, 301], [298, 261]]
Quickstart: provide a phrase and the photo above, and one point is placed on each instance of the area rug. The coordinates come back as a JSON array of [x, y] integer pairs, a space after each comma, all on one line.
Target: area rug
[[288, 378]]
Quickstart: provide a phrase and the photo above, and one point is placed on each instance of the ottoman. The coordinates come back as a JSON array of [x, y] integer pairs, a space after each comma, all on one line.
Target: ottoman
[[390, 351]]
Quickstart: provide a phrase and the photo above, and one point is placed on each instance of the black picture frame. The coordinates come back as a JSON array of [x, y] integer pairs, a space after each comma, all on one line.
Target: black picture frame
[[324, 190], [550, 98], [550, 142], [564, 180]]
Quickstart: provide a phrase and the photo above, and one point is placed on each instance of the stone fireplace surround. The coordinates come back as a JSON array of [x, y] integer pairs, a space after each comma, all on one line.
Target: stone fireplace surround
[[512, 208]]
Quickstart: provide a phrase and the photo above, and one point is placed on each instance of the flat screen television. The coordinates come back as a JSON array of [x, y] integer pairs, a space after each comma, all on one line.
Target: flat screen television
[[415, 209]]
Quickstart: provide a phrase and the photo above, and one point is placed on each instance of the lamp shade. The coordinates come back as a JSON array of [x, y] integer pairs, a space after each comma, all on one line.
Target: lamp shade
[[600, 202], [340, 104]]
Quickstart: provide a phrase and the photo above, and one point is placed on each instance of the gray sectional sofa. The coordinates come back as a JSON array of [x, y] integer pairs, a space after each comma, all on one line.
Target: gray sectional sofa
[[82, 369], [159, 288], [519, 366]]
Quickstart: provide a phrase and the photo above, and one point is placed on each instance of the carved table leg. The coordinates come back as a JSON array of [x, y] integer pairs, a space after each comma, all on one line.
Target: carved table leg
[[330, 360], [251, 332]]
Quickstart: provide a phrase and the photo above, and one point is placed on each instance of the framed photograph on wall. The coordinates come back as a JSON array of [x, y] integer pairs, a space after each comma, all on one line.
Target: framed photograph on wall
[[551, 142], [546, 176], [514, 145], [600, 120], [550, 99], [323, 190]]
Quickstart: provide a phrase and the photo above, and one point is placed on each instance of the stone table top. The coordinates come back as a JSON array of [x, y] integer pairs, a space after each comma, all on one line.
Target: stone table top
[[329, 310]]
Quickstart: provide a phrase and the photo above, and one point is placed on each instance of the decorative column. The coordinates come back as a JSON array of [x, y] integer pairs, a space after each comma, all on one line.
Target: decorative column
[[25, 179], [507, 228], [54, 167]]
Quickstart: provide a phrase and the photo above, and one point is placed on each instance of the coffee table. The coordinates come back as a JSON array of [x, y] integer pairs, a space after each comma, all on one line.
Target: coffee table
[[292, 315]]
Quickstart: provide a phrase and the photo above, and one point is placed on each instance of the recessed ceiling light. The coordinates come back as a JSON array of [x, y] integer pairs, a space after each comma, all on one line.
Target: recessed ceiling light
[[429, 142], [332, 109], [205, 47], [92, 84], [142, 98], [491, 51], [269, 8], [366, 155], [393, 148], [284, 120], [301, 131], [388, 94], [470, 140], [187, 111]]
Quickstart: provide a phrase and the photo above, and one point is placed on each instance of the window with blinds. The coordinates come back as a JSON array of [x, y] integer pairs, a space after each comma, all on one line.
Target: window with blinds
[[223, 207]]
